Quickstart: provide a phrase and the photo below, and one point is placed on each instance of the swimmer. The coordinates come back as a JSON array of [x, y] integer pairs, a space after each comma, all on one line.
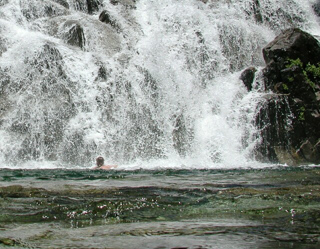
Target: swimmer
[[100, 164]]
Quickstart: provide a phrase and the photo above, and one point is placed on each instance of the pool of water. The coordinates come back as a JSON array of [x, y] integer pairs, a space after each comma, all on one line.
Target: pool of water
[[275, 207]]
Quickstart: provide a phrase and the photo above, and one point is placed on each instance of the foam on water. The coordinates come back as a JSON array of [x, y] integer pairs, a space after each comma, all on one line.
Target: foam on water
[[159, 89]]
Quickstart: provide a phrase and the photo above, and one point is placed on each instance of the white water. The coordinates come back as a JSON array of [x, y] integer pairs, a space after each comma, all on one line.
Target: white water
[[160, 90]]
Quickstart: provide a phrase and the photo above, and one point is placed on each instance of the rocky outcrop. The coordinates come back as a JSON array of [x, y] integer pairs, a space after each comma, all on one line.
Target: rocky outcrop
[[290, 119]]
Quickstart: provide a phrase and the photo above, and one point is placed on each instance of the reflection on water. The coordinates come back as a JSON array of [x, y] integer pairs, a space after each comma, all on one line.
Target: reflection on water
[[252, 208]]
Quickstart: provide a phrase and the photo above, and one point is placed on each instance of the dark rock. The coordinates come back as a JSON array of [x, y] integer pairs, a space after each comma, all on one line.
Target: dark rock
[[108, 19], [272, 121], [93, 6], [105, 17], [290, 128], [292, 44], [114, 2], [247, 77], [75, 35], [257, 11]]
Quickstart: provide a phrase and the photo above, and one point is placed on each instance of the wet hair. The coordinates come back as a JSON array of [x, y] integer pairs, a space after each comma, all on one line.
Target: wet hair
[[100, 161]]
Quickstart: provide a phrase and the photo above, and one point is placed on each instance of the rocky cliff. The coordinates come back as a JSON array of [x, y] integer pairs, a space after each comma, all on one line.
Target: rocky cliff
[[289, 118]]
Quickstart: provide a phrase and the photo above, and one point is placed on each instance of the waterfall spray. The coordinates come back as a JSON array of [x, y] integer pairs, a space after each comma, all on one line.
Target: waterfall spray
[[146, 83]]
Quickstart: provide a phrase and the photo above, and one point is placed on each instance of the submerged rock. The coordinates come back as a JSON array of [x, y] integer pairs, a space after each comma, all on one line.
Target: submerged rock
[[293, 73]]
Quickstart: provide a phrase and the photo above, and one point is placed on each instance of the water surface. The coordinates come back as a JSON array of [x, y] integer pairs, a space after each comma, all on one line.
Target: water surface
[[234, 208]]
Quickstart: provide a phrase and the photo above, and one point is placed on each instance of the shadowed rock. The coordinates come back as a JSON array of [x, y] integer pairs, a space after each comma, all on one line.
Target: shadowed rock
[[247, 77], [75, 35], [107, 18], [93, 6]]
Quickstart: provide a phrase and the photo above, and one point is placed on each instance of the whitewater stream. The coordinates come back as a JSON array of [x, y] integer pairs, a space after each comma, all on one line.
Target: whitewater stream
[[152, 86]]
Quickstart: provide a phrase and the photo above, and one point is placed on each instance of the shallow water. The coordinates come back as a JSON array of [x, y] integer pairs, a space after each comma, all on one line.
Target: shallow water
[[236, 208]]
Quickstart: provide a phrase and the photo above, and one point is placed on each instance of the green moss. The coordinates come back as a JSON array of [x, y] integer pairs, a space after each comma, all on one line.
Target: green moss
[[285, 87], [301, 113]]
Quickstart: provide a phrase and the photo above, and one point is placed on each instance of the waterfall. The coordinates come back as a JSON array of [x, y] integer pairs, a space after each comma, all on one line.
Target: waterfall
[[143, 82]]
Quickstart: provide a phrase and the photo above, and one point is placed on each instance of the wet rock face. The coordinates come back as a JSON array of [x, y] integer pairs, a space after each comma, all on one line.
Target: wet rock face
[[75, 36], [107, 18], [293, 72], [93, 5], [248, 76]]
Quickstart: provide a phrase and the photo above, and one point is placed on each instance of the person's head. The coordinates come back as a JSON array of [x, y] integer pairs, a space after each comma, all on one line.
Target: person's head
[[100, 161]]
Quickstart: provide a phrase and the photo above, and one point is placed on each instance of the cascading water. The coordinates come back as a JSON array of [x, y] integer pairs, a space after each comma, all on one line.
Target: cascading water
[[150, 83]]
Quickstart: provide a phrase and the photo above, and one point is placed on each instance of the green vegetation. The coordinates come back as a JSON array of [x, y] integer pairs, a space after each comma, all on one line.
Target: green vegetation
[[311, 72], [285, 87], [293, 63], [301, 113], [314, 70]]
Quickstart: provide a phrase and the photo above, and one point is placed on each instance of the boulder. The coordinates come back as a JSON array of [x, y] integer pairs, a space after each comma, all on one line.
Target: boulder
[[75, 34], [292, 44], [293, 74], [248, 76]]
